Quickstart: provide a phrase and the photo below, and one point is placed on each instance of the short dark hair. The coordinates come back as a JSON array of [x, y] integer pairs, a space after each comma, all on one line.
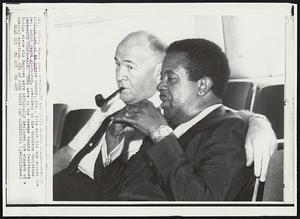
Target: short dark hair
[[205, 59]]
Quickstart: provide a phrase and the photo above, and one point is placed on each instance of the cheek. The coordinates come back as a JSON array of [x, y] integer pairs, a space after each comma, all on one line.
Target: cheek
[[136, 83], [176, 95], [143, 80], [131, 78], [137, 86]]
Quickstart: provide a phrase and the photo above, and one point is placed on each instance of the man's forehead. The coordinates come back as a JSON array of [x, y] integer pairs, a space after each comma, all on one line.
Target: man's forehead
[[174, 60], [133, 52]]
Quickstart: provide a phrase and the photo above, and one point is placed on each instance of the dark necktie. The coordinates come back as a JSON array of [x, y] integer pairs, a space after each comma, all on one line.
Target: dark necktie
[[99, 167], [92, 143]]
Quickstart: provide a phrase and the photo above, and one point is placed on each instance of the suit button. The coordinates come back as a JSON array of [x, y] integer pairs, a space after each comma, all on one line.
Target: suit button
[[91, 144], [150, 164]]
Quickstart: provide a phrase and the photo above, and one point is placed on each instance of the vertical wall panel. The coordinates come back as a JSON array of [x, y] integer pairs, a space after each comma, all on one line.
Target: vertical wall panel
[[255, 45]]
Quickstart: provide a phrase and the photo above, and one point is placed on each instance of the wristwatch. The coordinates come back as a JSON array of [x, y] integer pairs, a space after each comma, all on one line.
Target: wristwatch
[[161, 132]]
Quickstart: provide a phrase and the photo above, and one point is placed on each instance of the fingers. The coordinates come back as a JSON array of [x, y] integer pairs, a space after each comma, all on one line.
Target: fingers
[[130, 114], [116, 127], [263, 146], [128, 129], [249, 152], [267, 154], [264, 167], [273, 143], [132, 109], [140, 105], [272, 149], [145, 102], [257, 161], [124, 119], [127, 111]]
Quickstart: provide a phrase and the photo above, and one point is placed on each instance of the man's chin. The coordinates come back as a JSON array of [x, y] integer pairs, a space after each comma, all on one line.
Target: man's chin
[[165, 105], [166, 112], [127, 99]]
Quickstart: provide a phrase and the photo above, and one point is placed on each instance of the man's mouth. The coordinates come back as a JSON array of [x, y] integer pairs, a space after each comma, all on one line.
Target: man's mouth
[[164, 100], [124, 88]]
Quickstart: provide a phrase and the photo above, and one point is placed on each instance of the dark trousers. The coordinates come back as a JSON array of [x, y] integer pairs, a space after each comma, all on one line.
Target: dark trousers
[[74, 187]]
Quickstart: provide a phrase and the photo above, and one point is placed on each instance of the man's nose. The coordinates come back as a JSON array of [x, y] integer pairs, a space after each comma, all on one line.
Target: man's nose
[[121, 73], [161, 85]]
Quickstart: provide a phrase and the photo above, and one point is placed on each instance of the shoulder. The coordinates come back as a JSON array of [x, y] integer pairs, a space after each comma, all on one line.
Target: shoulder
[[228, 133], [221, 126], [231, 117], [230, 121], [225, 134]]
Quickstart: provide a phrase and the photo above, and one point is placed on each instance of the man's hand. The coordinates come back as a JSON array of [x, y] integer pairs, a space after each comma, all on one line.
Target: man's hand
[[114, 135], [143, 116], [260, 145], [116, 132]]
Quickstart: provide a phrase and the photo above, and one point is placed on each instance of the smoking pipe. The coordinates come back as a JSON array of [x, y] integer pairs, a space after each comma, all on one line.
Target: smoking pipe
[[102, 102]]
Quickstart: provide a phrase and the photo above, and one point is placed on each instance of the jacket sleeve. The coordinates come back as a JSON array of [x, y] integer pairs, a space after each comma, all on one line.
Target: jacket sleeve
[[215, 170]]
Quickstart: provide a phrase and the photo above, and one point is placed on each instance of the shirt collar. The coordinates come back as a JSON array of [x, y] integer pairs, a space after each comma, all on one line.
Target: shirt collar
[[155, 99], [182, 128]]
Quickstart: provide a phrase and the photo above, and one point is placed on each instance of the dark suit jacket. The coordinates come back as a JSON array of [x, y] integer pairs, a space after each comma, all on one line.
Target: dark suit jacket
[[207, 163]]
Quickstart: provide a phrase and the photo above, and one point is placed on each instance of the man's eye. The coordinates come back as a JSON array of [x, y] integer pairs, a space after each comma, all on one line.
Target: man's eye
[[129, 67], [117, 64], [172, 79]]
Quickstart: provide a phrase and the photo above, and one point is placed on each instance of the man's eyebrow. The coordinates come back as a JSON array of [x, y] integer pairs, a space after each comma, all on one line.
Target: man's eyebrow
[[129, 61], [126, 60], [167, 72]]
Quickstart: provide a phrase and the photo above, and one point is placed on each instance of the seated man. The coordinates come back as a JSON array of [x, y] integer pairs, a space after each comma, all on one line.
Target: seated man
[[138, 58], [196, 150]]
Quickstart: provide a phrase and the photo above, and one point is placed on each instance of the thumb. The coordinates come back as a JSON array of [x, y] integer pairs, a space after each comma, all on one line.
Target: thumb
[[116, 128], [128, 129]]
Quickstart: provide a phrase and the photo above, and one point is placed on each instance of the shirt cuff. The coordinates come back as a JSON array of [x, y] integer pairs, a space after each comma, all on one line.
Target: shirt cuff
[[72, 151], [116, 152]]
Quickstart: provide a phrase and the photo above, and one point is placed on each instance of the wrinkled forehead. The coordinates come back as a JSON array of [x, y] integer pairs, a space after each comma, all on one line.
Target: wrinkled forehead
[[134, 50]]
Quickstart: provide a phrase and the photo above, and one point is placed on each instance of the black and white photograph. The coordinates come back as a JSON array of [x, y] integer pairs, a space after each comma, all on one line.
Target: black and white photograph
[[149, 109]]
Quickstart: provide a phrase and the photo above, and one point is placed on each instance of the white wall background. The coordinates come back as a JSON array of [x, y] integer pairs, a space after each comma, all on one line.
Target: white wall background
[[81, 48], [255, 45]]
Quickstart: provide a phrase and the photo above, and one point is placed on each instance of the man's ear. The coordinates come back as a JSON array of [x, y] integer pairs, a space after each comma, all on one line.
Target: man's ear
[[204, 85], [157, 71]]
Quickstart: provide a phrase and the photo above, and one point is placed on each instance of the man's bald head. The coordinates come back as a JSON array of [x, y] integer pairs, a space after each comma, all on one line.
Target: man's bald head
[[146, 40], [138, 59]]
